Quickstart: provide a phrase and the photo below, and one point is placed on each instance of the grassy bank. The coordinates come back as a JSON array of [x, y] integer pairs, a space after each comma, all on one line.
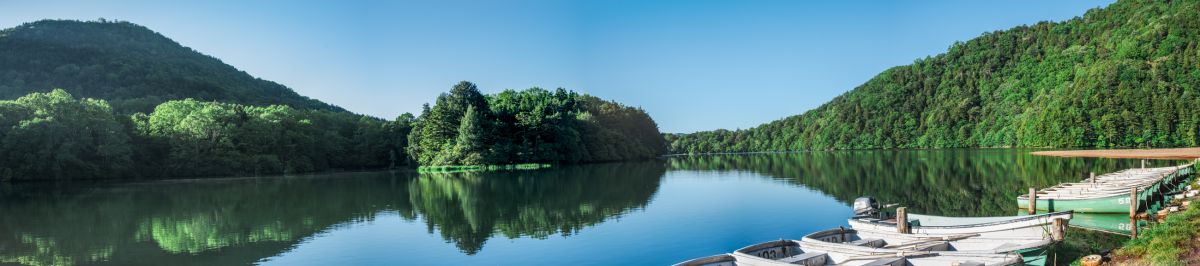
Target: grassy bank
[[1172, 242], [473, 168]]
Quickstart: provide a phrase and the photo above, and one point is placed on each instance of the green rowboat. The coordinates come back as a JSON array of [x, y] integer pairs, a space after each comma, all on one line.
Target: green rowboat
[[1118, 203], [1109, 193]]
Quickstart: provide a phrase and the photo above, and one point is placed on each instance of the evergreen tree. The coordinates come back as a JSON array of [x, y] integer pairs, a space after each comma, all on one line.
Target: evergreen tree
[[440, 128], [470, 148], [536, 126]]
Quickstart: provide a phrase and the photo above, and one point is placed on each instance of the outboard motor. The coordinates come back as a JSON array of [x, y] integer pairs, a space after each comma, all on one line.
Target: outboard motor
[[865, 207]]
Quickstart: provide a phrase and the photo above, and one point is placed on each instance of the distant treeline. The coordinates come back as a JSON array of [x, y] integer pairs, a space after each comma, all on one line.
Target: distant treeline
[[54, 135], [1126, 75], [57, 136]]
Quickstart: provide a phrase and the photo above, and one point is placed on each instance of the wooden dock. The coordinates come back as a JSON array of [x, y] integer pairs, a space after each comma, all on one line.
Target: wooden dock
[[1170, 154]]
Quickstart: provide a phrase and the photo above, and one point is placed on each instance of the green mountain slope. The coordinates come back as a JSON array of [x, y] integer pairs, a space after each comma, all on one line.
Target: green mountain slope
[[134, 104], [131, 66], [1122, 76]]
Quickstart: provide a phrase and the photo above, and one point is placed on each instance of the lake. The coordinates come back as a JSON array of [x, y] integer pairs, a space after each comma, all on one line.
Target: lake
[[634, 213]]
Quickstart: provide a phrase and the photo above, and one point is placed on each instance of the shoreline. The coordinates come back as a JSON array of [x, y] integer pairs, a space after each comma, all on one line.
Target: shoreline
[[1175, 239], [1169, 154]]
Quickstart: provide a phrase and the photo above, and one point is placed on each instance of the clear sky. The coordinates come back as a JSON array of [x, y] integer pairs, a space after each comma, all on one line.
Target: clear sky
[[692, 64]]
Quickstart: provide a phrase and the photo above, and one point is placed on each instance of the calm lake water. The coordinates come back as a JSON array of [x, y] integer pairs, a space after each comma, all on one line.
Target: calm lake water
[[639, 213]]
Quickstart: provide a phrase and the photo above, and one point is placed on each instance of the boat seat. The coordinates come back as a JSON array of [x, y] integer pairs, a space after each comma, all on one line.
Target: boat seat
[[867, 242], [887, 262], [807, 258], [933, 246], [1005, 246]]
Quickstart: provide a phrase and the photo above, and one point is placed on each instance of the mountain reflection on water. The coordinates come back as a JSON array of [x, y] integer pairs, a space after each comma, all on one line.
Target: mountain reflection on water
[[240, 221], [246, 220], [958, 182]]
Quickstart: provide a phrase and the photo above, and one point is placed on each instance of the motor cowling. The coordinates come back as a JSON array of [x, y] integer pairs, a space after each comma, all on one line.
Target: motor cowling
[[865, 206]]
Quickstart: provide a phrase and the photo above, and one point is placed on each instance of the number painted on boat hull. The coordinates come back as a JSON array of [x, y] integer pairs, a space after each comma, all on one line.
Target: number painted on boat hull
[[1123, 201], [1124, 226]]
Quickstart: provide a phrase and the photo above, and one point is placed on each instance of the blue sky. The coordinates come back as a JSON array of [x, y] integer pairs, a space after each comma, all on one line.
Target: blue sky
[[693, 65]]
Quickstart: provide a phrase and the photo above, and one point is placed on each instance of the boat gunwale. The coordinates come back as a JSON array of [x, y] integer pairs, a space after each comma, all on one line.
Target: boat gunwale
[[1081, 198], [718, 258], [1005, 258], [1035, 242], [1014, 220]]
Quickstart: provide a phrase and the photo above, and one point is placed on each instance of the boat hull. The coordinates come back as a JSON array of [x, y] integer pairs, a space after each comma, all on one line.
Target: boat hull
[[792, 252], [1116, 223], [1110, 193], [1034, 226], [1017, 226], [1034, 256], [1109, 204]]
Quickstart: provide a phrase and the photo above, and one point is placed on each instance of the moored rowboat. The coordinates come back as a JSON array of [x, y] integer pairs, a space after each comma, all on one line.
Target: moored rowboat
[[998, 226], [714, 260], [1108, 193], [928, 242], [1106, 203], [1026, 235], [792, 252]]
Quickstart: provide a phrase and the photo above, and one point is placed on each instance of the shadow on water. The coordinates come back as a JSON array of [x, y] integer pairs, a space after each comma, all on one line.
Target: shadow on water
[[243, 220]]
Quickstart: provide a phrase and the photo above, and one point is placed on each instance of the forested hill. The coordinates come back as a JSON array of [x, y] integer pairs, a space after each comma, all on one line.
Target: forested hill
[[1121, 76], [132, 67], [114, 100]]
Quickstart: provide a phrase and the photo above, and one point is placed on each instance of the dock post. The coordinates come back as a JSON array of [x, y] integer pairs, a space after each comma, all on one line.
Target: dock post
[[1032, 201], [1133, 228], [1133, 202], [1143, 163], [1092, 177], [1058, 233], [902, 220]]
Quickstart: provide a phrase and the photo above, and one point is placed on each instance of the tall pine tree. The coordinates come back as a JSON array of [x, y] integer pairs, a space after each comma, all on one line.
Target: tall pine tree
[[470, 147], [439, 129]]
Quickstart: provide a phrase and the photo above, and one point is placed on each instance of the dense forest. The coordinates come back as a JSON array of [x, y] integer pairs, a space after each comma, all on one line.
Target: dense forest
[[465, 127], [54, 135], [108, 99], [116, 100], [1121, 76]]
